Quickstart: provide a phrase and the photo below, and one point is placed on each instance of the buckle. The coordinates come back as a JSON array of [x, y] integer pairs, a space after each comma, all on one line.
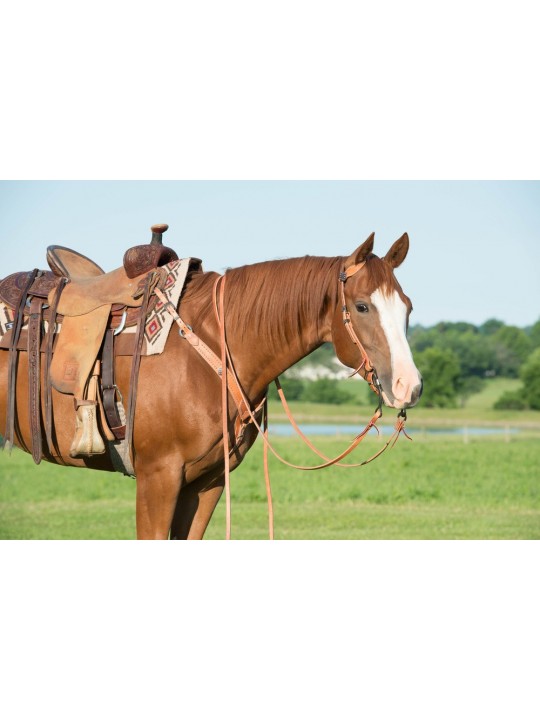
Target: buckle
[[182, 333], [114, 387]]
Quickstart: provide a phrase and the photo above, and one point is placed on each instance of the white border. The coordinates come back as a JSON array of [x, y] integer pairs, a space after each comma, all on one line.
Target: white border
[[296, 89]]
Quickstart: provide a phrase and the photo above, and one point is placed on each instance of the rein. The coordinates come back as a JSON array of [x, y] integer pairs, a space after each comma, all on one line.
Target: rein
[[230, 383]]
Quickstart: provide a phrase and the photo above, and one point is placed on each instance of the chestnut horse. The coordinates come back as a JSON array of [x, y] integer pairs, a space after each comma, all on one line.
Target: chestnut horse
[[275, 313]]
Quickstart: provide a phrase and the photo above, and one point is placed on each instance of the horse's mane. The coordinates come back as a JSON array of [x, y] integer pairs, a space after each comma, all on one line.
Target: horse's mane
[[281, 296]]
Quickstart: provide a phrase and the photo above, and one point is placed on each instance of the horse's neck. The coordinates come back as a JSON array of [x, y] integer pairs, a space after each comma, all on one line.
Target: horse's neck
[[276, 314]]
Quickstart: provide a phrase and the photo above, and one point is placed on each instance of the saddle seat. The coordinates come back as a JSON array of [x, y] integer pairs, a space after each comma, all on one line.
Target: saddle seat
[[90, 287], [139, 259]]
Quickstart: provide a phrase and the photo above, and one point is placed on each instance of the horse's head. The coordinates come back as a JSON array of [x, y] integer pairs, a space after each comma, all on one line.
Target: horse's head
[[373, 310]]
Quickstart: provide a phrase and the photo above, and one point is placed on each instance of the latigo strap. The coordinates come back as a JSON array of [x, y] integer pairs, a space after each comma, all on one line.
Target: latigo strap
[[12, 362], [34, 384]]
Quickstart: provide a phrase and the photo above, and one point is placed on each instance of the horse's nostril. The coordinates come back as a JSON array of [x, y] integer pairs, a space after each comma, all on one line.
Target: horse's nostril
[[399, 389]]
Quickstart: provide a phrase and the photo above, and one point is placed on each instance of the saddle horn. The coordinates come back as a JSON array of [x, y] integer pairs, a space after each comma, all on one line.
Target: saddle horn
[[157, 233]]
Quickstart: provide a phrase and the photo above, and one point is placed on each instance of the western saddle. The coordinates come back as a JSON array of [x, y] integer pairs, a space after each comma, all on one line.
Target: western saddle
[[70, 315]]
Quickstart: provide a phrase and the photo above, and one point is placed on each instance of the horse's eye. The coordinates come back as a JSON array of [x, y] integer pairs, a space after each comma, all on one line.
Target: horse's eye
[[362, 307]]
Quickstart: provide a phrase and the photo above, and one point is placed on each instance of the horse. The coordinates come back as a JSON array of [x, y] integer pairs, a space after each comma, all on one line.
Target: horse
[[274, 314]]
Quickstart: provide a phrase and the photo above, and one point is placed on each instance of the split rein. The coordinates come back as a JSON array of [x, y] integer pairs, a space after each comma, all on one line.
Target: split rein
[[230, 383]]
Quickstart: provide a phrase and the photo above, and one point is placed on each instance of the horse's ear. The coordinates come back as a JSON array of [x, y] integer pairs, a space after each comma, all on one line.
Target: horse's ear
[[361, 253], [398, 252]]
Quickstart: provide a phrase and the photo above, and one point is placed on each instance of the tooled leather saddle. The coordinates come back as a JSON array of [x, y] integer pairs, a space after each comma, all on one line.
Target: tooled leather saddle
[[89, 306]]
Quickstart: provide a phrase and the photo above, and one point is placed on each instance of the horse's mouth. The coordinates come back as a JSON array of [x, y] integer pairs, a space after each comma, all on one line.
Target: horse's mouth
[[392, 403]]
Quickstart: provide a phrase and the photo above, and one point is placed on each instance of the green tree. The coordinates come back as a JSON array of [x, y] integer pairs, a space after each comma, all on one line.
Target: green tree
[[491, 326], [325, 390], [512, 346], [467, 385], [511, 400], [475, 350], [534, 334], [530, 374], [475, 353], [323, 355], [420, 338], [292, 388], [453, 327], [528, 395], [440, 370]]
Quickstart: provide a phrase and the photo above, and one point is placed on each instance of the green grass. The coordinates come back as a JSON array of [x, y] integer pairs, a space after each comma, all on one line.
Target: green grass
[[432, 488], [53, 502], [436, 488], [492, 391]]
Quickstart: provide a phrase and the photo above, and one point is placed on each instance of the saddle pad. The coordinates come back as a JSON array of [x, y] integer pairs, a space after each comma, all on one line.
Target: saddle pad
[[159, 321]]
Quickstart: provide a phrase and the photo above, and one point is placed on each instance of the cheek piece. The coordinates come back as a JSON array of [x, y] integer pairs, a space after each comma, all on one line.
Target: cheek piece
[[368, 371]]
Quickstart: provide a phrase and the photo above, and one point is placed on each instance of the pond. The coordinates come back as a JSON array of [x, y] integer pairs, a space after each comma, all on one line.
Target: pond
[[286, 430]]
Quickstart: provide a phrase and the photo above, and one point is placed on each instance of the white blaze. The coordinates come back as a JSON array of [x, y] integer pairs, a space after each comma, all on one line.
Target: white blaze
[[393, 317]]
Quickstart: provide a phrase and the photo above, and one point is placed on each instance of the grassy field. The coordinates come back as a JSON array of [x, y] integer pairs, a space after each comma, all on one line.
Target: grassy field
[[437, 487]]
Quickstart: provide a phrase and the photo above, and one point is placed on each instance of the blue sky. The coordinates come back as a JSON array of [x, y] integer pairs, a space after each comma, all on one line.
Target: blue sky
[[475, 246]]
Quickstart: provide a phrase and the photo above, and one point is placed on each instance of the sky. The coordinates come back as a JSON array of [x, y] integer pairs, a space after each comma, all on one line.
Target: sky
[[474, 253]]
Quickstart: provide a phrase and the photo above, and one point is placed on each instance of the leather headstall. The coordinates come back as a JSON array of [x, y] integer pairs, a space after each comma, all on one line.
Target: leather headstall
[[368, 371]]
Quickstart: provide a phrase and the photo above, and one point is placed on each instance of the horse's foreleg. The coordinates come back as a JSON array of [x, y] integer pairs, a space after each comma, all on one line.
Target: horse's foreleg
[[158, 486], [196, 504]]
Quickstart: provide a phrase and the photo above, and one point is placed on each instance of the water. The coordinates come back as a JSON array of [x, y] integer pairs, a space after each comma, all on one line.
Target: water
[[286, 430]]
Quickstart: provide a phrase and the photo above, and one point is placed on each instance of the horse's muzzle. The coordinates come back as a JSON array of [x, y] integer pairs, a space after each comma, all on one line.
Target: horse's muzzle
[[403, 396]]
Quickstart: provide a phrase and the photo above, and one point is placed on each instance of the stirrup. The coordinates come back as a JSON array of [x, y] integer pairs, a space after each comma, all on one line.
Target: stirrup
[[87, 440]]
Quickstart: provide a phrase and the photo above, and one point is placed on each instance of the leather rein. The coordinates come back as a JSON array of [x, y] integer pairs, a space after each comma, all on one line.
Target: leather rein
[[230, 384]]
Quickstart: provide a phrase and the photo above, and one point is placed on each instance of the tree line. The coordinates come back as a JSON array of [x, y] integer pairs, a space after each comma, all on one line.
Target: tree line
[[455, 359]]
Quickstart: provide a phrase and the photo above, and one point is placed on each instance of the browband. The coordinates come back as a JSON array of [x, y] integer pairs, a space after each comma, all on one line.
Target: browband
[[350, 271]]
